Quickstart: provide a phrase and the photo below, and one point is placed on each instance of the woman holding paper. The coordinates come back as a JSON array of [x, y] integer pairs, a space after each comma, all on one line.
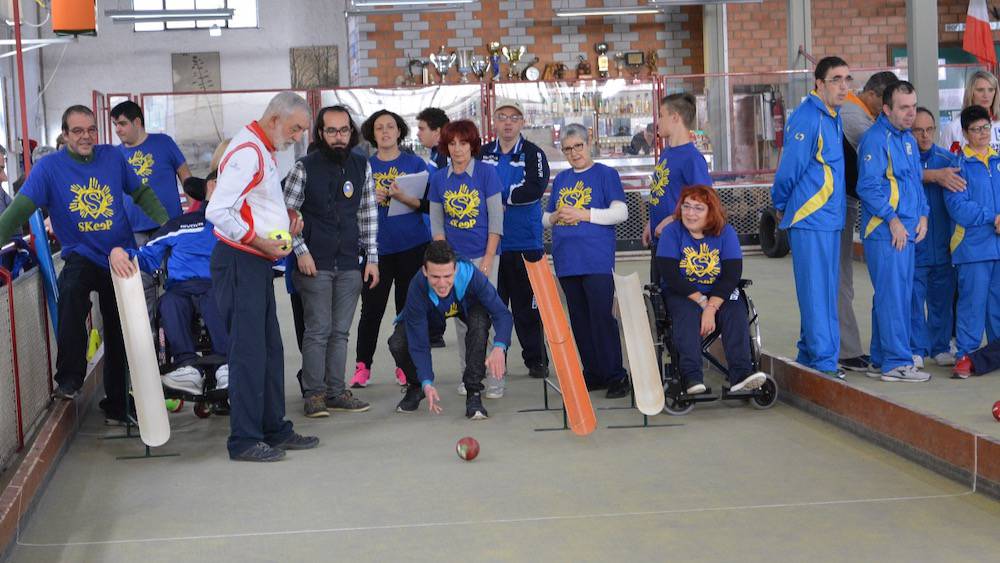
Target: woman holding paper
[[402, 233]]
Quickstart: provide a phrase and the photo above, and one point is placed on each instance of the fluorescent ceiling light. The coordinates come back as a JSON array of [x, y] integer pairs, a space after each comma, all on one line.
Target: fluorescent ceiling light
[[132, 16], [360, 3], [699, 2], [622, 11], [406, 9]]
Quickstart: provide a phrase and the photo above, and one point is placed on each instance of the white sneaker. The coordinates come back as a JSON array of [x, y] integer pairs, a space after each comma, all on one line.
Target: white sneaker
[[461, 389], [696, 389], [953, 347], [494, 387], [918, 361], [906, 374], [186, 378], [222, 377], [752, 382], [945, 359]]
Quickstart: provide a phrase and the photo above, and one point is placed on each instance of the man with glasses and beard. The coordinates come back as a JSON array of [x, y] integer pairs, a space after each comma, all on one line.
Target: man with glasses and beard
[[333, 189]]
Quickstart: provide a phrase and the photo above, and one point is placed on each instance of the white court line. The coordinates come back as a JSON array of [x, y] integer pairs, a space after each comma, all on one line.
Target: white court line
[[495, 521]]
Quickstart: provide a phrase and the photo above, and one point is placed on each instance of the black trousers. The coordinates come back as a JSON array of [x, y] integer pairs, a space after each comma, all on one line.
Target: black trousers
[[79, 277], [515, 292], [477, 323], [731, 319], [394, 270]]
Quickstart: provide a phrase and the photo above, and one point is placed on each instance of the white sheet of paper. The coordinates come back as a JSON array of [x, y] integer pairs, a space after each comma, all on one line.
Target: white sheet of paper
[[412, 185]]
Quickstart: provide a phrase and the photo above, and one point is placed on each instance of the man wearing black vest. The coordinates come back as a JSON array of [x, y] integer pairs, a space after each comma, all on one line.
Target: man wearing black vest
[[332, 188]]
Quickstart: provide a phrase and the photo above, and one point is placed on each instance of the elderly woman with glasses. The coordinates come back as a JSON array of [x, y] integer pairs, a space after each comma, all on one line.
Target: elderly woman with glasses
[[700, 262], [586, 203]]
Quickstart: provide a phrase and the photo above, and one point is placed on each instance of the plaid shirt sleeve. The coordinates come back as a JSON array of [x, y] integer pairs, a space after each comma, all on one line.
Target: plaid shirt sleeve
[[295, 194], [368, 218]]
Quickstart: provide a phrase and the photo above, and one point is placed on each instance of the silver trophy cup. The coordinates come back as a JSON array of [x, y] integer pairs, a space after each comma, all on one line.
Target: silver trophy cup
[[464, 65], [443, 62]]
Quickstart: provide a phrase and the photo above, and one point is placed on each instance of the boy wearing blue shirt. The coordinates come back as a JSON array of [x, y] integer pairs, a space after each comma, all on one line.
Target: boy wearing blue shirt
[[934, 276], [681, 164], [449, 287], [809, 195], [83, 188], [893, 218], [524, 175]]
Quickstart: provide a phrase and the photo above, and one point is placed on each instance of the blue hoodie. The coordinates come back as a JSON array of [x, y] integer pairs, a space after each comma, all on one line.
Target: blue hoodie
[[809, 184], [524, 175], [890, 184], [424, 309], [933, 250], [974, 238]]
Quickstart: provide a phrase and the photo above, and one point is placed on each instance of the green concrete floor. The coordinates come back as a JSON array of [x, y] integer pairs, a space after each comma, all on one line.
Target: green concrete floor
[[731, 483]]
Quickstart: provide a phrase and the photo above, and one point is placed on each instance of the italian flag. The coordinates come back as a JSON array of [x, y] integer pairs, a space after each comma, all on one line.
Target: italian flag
[[978, 38]]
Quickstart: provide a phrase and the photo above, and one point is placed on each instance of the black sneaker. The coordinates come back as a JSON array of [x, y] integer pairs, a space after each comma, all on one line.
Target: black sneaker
[[619, 389], [411, 401], [437, 342], [297, 442], [540, 371], [474, 409], [861, 363], [64, 392], [596, 386], [346, 402], [259, 452]]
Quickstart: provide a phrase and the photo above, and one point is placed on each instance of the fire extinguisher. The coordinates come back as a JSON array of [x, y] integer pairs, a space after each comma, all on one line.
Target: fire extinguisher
[[778, 119]]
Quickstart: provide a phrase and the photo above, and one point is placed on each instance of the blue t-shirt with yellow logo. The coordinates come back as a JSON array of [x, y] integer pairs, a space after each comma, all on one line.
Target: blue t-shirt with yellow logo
[[399, 232], [86, 201], [463, 198], [584, 248], [700, 259], [155, 162], [678, 168]]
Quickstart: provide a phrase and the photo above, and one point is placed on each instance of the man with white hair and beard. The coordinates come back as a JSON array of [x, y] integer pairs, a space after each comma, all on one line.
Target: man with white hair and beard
[[333, 189], [247, 209]]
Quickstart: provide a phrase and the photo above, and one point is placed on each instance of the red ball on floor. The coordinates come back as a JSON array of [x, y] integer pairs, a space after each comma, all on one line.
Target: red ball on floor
[[996, 410], [467, 448]]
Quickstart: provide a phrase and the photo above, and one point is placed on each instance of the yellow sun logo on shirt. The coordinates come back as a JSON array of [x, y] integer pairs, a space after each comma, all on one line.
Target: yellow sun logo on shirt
[[142, 164], [452, 311], [661, 177], [92, 201], [578, 196], [383, 180], [462, 206], [701, 263]]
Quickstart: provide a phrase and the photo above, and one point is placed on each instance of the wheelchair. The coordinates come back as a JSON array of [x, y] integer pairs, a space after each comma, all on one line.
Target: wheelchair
[[211, 400], [678, 402]]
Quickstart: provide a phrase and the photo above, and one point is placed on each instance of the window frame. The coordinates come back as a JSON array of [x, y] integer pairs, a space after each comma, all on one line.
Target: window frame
[[197, 25]]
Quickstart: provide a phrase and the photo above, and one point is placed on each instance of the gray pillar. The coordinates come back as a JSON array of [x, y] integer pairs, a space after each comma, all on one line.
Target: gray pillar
[[799, 15], [717, 90], [922, 50]]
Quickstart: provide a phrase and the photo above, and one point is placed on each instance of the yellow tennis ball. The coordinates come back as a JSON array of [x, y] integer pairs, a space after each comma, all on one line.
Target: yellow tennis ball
[[284, 236]]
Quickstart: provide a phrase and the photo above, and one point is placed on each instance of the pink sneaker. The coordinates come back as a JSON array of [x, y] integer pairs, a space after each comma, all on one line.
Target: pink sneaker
[[361, 376], [400, 377]]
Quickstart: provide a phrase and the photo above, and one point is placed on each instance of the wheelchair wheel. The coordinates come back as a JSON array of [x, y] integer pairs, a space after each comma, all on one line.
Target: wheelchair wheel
[[766, 396], [756, 345], [773, 241], [677, 407], [202, 410]]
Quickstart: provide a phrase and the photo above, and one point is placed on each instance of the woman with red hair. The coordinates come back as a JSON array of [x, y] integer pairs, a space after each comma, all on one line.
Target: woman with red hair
[[466, 210], [700, 261]]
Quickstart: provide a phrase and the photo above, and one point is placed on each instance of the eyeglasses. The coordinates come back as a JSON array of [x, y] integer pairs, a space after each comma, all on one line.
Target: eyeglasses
[[508, 117], [80, 131], [334, 132], [840, 80], [980, 129], [924, 130], [694, 208], [579, 147]]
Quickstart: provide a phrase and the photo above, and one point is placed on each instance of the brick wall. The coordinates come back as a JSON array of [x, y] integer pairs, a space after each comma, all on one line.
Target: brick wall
[[860, 32], [382, 45]]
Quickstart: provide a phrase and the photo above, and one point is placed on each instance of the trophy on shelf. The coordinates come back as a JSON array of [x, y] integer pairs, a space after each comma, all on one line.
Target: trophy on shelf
[[464, 65], [602, 59], [495, 50], [418, 77], [513, 56], [583, 69], [620, 64], [479, 66], [634, 60], [531, 71], [443, 62]]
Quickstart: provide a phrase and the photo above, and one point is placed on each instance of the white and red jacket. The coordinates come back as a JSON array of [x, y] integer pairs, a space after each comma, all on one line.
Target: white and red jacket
[[248, 201]]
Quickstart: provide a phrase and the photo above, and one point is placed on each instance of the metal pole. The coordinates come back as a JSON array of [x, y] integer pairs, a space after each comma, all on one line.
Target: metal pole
[[22, 103]]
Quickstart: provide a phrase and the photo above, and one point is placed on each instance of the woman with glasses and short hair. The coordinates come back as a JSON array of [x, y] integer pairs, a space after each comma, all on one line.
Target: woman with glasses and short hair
[[586, 203], [700, 264]]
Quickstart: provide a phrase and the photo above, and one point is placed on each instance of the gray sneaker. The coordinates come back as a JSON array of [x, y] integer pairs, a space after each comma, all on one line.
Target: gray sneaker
[[461, 388], [346, 402], [315, 407], [906, 373], [495, 387]]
